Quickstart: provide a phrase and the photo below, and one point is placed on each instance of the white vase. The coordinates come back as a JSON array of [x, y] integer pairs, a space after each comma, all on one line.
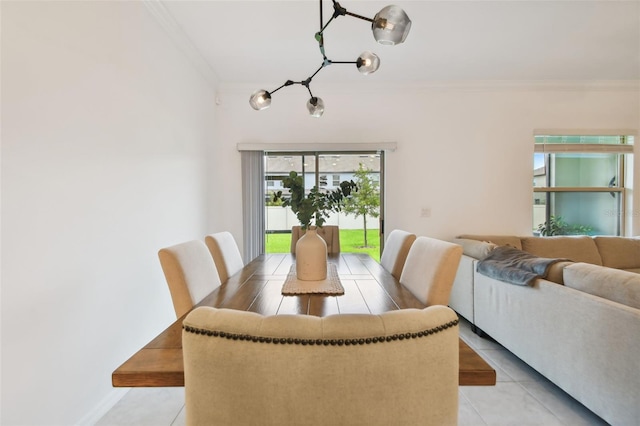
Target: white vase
[[311, 256]]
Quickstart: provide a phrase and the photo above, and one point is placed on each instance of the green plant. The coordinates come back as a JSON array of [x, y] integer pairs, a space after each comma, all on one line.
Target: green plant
[[313, 208], [350, 242], [271, 201], [365, 202], [557, 226], [553, 226]]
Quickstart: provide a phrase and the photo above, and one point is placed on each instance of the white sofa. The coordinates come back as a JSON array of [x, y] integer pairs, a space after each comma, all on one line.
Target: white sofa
[[579, 327]]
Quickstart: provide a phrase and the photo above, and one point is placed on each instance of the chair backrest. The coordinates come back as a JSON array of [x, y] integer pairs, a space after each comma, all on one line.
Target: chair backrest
[[329, 233], [225, 253], [399, 367], [395, 252], [190, 274], [430, 269]]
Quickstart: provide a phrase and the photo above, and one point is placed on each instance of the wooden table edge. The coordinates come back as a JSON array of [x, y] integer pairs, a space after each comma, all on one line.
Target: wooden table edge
[[139, 370]]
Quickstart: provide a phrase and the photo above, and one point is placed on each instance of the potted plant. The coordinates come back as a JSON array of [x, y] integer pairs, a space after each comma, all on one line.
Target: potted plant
[[558, 226], [312, 210]]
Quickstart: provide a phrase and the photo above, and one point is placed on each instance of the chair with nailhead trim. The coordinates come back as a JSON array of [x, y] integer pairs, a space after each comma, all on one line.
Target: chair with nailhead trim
[[190, 273], [399, 367]]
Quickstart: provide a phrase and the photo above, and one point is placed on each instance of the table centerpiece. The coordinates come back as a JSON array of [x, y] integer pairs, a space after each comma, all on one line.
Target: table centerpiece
[[312, 210]]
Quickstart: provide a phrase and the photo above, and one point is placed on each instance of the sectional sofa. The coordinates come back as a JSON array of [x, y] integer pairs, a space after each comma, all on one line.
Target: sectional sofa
[[578, 323]]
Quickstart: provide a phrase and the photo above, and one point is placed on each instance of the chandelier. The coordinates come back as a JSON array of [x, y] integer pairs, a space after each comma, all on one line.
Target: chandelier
[[390, 26]]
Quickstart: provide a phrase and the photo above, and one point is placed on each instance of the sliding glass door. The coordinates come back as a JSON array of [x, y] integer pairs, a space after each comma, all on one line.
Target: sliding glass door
[[327, 169]]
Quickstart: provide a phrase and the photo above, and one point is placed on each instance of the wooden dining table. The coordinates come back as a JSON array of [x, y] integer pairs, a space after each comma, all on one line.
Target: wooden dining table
[[368, 288]]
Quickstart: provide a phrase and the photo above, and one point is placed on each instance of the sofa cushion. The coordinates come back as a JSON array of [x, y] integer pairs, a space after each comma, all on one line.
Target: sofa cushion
[[475, 248], [619, 252], [612, 284], [501, 240], [575, 248]]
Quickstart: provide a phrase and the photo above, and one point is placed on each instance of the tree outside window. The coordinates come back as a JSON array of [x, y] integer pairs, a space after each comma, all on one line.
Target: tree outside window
[[366, 200]]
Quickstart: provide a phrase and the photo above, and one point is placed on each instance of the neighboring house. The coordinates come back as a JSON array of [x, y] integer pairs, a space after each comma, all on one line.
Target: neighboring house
[[335, 168]]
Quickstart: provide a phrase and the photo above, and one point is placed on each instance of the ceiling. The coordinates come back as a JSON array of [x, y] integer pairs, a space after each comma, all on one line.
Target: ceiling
[[268, 42]]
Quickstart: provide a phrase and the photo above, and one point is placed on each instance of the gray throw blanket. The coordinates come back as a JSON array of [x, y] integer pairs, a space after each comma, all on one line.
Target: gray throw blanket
[[515, 266]]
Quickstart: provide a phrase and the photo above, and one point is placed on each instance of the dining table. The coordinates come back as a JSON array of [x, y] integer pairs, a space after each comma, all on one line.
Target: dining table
[[257, 287]]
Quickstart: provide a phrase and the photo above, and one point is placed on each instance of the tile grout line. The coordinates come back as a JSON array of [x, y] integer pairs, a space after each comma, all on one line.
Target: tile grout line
[[176, 416], [541, 403], [473, 407]]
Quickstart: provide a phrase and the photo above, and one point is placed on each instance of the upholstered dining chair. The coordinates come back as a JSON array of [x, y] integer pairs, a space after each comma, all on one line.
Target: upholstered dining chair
[[395, 251], [190, 273], [225, 253], [430, 269], [329, 233], [244, 368]]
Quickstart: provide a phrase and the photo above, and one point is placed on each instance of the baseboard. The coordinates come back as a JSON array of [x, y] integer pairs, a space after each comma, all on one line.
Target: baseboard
[[107, 403]]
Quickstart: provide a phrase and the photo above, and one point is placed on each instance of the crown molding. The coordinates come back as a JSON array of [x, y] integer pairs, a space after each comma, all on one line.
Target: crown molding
[[181, 40], [462, 85]]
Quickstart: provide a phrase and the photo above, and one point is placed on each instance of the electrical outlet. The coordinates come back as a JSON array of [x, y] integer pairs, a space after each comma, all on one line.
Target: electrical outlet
[[425, 212]]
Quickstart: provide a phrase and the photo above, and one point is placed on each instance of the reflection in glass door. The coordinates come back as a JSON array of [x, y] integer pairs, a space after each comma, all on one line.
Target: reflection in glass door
[[327, 170]]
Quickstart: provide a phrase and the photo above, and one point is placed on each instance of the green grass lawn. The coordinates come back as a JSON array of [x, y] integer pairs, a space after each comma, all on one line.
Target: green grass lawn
[[351, 241]]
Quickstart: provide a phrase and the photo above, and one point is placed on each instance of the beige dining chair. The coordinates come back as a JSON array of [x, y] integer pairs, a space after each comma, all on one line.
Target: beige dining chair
[[395, 251], [225, 253], [329, 233], [190, 273], [430, 269], [242, 368]]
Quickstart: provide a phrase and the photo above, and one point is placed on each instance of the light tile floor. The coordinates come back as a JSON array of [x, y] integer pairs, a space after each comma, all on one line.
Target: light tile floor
[[521, 397]]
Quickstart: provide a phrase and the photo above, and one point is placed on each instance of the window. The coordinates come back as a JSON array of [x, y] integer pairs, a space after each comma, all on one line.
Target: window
[[579, 184], [327, 170]]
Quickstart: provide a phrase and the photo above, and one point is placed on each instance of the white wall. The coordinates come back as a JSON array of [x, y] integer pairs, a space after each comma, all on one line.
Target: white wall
[[105, 127], [108, 137], [465, 151]]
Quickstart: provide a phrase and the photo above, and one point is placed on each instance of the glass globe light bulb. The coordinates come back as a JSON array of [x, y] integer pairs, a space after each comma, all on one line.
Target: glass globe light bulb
[[368, 63], [260, 99], [391, 25], [315, 107]]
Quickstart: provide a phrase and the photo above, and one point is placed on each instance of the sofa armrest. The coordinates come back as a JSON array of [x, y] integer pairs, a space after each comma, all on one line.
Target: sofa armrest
[[612, 284], [555, 274], [461, 298]]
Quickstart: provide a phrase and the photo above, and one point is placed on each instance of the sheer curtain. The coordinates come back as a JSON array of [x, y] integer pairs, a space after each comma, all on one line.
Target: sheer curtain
[[253, 203]]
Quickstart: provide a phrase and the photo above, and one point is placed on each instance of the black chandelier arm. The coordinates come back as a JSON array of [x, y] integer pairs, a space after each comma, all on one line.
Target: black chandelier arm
[[359, 16], [307, 82], [324, 64], [338, 10], [322, 28], [286, 83], [309, 90]]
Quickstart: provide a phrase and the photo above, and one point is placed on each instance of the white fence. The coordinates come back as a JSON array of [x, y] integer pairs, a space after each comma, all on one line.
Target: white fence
[[282, 219]]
